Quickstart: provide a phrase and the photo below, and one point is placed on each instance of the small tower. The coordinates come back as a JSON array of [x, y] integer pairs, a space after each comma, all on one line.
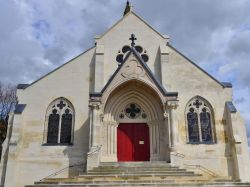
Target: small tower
[[128, 8]]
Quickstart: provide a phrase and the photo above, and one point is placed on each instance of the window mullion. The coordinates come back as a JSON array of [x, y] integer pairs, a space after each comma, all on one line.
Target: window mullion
[[59, 129], [199, 126]]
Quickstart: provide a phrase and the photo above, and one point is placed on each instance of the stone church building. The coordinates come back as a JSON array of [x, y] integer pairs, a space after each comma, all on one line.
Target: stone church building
[[132, 97]]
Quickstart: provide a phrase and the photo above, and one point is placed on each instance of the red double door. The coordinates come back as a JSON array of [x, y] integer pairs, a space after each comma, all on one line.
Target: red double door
[[133, 142]]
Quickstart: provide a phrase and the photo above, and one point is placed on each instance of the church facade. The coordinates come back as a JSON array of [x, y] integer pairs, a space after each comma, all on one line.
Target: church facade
[[131, 97]]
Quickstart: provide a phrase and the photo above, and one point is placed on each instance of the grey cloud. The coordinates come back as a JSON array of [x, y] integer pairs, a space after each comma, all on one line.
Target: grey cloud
[[239, 53], [38, 36], [240, 44], [73, 24], [239, 100]]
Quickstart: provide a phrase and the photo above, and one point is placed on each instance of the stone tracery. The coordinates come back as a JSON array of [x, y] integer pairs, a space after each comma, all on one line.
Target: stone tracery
[[59, 122], [199, 121]]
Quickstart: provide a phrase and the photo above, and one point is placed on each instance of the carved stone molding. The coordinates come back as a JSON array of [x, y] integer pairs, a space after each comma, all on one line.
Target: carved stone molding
[[133, 70], [166, 115], [112, 123], [172, 104], [95, 105]]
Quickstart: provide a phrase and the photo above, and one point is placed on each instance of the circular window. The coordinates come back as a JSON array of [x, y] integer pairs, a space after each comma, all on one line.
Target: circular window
[[139, 49], [132, 110], [145, 57], [125, 49], [119, 58]]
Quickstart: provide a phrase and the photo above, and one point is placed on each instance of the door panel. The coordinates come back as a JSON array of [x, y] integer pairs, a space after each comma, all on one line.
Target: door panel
[[125, 142], [141, 143], [133, 142]]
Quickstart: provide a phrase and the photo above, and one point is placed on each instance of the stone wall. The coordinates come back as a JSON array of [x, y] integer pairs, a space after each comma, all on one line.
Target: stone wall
[[30, 160]]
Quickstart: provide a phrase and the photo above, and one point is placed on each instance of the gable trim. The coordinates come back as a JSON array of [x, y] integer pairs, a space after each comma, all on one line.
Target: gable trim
[[223, 85], [28, 85], [149, 72], [120, 20], [22, 86]]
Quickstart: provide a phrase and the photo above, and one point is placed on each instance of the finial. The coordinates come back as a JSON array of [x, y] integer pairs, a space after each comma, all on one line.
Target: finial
[[133, 38], [127, 9]]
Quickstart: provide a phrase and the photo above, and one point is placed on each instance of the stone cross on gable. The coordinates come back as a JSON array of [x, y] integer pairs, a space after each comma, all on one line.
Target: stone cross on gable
[[197, 103], [133, 38], [61, 105]]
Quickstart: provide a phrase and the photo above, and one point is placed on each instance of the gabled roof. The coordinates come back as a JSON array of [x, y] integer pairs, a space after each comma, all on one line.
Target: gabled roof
[[147, 69], [24, 86], [124, 17], [223, 84]]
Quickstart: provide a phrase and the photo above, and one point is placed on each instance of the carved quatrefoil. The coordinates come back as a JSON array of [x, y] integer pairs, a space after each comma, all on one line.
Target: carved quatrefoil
[[133, 70]]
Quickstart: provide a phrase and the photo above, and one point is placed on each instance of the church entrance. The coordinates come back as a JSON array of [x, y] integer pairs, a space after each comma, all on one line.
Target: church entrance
[[133, 126], [133, 142]]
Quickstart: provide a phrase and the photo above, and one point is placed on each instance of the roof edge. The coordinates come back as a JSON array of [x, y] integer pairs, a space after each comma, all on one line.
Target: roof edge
[[132, 12], [231, 107], [28, 85], [154, 79], [95, 94], [227, 84], [172, 94], [220, 83], [22, 86]]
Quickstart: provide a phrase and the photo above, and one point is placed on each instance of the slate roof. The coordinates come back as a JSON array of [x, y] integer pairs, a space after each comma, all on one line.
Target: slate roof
[[22, 86], [227, 84]]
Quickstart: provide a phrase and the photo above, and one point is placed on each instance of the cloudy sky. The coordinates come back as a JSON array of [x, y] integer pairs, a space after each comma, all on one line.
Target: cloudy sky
[[37, 36]]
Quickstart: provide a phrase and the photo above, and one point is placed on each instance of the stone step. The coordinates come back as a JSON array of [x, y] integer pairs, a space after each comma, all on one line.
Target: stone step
[[131, 179], [118, 174], [136, 181], [215, 184], [137, 170], [139, 173], [137, 164], [134, 168]]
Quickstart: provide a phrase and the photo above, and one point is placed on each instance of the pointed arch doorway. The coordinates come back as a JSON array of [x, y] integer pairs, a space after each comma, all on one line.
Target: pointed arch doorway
[[134, 128], [133, 142]]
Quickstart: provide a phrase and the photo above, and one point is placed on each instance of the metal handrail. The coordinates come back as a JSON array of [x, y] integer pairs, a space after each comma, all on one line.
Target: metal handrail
[[202, 168], [70, 166], [97, 149], [61, 170], [179, 154]]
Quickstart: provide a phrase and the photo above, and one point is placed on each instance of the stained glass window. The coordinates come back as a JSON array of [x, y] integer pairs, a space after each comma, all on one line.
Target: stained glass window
[[53, 127], [125, 49], [193, 128], [199, 121], [133, 110], [66, 127], [60, 122], [205, 121]]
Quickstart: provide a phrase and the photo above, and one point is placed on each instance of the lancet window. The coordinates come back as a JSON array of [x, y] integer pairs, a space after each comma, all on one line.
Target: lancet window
[[59, 122], [199, 121]]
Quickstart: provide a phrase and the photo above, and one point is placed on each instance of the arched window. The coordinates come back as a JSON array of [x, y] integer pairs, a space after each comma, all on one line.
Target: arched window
[[199, 120], [59, 122]]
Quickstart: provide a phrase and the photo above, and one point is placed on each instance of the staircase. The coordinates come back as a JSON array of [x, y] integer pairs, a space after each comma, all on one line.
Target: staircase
[[138, 174]]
